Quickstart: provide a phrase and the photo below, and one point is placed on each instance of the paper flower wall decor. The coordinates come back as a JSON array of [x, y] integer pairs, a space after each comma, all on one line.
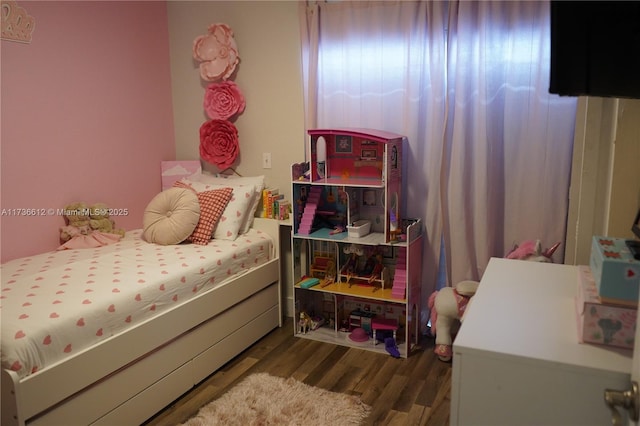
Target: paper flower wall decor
[[223, 100], [217, 53], [219, 143]]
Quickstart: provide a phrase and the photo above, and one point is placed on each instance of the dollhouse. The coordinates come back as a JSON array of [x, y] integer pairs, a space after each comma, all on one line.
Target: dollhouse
[[357, 260]]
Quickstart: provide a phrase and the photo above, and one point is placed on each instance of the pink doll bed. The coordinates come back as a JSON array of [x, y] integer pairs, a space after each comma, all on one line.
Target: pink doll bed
[[113, 334]]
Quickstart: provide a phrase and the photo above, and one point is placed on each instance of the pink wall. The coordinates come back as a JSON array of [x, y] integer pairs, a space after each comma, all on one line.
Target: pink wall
[[86, 115]]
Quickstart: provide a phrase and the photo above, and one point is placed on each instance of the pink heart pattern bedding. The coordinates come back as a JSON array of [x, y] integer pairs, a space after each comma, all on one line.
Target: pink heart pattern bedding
[[56, 304]]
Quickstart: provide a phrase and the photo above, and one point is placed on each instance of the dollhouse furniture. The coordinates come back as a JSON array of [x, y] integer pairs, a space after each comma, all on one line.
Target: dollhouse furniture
[[360, 319], [399, 289], [310, 208], [384, 325], [355, 181], [187, 317], [320, 265], [517, 359]]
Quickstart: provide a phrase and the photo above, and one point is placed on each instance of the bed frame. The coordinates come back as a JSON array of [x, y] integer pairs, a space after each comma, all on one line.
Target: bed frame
[[131, 376]]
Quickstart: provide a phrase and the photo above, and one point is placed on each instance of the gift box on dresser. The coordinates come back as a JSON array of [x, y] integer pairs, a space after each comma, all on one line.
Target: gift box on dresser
[[615, 271], [600, 322]]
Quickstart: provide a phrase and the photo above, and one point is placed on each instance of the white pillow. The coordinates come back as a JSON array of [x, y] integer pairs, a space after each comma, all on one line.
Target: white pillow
[[234, 214], [171, 216], [256, 181]]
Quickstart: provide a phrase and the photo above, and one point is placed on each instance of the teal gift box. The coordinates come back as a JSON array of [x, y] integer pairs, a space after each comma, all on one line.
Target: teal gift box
[[615, 271]]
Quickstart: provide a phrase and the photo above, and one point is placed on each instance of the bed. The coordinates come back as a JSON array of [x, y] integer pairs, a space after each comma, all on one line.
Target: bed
[[155, 320]]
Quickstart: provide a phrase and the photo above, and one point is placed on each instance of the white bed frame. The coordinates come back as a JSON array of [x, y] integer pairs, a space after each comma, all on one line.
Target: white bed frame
[[130, 377]]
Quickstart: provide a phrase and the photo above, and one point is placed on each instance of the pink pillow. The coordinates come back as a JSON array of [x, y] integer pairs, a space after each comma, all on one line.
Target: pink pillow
[[212, 204]]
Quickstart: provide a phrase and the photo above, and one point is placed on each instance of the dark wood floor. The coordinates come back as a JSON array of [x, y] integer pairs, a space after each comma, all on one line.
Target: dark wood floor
[[412, 391]]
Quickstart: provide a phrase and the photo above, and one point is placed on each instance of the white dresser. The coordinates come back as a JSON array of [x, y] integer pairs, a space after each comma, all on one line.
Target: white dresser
[[517, 360]]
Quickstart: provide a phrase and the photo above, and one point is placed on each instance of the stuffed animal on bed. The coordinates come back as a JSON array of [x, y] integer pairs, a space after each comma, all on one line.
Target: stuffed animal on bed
[[67, 232], [76, 217], [88, 226], [100, 220]]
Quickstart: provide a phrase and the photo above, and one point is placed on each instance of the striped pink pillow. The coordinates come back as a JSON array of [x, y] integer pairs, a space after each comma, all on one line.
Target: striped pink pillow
[[212, 205]]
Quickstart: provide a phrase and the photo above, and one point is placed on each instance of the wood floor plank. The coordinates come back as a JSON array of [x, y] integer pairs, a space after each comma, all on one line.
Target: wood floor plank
[[321, 369], [409, 394], [318, 352], [416, 415], [395, 418], [420, 361], [333, 375], [435, 377], [387, 398], [440, 411], [375, 387]]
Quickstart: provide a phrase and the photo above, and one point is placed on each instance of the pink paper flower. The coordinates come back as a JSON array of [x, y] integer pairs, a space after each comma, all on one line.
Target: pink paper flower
[[223, 100], [219, 143], [217, 53]]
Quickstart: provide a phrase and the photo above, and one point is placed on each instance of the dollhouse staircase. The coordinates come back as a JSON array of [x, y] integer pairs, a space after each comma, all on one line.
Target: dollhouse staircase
[[399, 289], [310, 208]]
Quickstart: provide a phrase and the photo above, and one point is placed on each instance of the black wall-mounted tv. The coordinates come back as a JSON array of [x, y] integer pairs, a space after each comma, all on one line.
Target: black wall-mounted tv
[[595, 48]]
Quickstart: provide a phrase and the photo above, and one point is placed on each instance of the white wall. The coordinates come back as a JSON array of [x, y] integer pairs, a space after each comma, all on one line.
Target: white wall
[[605, 177], [625, 173], [270, 77]]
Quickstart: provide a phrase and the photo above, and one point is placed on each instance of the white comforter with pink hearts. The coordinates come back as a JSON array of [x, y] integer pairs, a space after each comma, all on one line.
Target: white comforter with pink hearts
[[56, 304]]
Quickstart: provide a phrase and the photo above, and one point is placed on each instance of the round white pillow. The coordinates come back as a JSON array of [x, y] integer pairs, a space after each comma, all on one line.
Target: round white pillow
[[171, 216]]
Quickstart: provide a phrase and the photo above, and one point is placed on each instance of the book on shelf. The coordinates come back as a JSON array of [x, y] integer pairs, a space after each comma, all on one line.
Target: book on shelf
[[284, 209], [267, 201], [275, 200]]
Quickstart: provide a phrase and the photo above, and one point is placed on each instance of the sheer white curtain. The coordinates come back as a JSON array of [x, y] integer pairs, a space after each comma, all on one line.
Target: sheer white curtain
[[489, 154], [509, 142]]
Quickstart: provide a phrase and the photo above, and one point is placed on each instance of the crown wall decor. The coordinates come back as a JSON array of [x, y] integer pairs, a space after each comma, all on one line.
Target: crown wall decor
[[17, 25]]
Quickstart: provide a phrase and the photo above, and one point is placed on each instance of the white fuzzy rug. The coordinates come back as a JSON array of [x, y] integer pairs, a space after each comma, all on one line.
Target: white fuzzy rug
[[262, 399]]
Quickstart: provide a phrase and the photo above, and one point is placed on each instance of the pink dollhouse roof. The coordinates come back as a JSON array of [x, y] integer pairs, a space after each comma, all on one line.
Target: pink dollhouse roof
[[378, 135]]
